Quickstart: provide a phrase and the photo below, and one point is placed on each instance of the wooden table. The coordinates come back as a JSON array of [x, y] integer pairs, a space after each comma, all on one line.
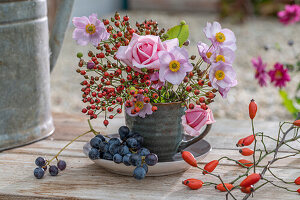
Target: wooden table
[[84, 180]]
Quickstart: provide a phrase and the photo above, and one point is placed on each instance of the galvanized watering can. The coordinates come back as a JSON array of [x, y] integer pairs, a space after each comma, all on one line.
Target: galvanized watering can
[[25, 64]]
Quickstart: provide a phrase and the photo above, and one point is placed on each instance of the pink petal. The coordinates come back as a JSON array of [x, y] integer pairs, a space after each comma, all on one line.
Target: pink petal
[[80, 22], [81, 36], [164, 57], [174, 77], [170, 44]]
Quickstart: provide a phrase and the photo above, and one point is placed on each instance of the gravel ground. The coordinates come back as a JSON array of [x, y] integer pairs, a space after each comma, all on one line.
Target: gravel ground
[[251, 37]]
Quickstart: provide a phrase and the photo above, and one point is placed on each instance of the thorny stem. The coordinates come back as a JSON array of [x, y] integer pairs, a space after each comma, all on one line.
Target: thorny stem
[[219, 177], [279, 178], [280, 142], [278, 185]]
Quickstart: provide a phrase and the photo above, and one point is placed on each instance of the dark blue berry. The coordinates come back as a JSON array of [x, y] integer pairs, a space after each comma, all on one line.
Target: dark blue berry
[[132, 143], [113, 149], [117, 158], [123, 150], [126, 159], [139, 173], [38, 172], [131, 134], [103, 147], [143, 151], [151, 159], [53, 170], [107, 156], [101, 137], [94, 154], [61, 164], [95, 142], [138, 138], [145, 167], [39, 161], [124, 132], [135, 160], [114, 141]]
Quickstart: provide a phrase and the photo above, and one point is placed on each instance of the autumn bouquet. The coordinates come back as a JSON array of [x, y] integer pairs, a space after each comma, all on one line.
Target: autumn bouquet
[[138, 66]]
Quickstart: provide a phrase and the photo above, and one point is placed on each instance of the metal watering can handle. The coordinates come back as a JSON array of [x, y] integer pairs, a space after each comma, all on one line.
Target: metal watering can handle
[[62, 17], [185, 144]]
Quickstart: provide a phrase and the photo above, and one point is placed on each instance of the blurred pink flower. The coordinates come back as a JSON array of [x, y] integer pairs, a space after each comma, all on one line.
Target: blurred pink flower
[[174, 65], [145, 108], [260, 71], [290, 15], [156, 83], [195, 119], [89, 30], [279, 75], [220, 37], [222, 77]]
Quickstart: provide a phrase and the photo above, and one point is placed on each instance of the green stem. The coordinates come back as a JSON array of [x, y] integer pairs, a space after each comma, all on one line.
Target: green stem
[[55, 157], [254, 144]]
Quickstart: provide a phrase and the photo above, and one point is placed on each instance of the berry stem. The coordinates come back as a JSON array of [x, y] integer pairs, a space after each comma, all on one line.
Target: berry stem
[[55, 157], [255, 140]]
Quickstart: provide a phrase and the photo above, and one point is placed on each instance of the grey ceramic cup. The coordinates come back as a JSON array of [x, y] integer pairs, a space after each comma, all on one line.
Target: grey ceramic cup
[[163, 131]]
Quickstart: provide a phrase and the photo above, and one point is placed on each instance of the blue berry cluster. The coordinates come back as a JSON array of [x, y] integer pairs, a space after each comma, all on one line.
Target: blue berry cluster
[[128, 150], [39, 172]]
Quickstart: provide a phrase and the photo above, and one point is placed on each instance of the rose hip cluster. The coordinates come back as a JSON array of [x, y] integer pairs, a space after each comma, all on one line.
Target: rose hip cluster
[[110, 85], [249, 181]]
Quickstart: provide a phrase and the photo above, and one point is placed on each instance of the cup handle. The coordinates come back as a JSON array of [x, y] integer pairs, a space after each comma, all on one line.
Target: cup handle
[[185, 144]]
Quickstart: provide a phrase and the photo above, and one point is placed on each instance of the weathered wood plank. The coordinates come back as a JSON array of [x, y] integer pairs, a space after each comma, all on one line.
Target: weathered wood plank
[[49, 148], [224, 134], [82, 179]]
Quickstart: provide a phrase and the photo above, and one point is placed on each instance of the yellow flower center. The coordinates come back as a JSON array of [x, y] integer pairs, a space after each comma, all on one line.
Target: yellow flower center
[[174, 65], [278, 74], [139, 104], [208, 54], [220, 74], [220, 58], [90, 29], [220, 37]]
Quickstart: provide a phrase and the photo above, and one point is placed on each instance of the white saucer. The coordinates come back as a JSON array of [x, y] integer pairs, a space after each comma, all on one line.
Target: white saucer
[[200, 149]]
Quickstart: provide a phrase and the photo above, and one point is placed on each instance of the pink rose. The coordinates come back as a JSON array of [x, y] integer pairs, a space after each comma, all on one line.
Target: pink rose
[[142, 51], [195, 119]]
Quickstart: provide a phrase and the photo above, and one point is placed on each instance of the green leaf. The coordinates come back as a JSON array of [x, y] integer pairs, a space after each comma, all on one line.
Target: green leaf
[[287, 102], [298, 87], [298, 100], [180, 31]]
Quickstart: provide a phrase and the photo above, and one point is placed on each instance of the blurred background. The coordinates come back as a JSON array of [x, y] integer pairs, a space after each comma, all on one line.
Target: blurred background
[[254, 23]]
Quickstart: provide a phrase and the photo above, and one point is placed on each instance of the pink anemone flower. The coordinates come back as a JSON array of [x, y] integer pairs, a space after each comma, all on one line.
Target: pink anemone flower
[[174, 65], [88, 30], [261, 75], [290, 15], [220, 37], [145, 108], [222, 77], [279, 75]]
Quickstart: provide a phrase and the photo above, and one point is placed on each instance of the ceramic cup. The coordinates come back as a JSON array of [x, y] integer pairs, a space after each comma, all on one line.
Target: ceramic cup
[[163, 131]]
